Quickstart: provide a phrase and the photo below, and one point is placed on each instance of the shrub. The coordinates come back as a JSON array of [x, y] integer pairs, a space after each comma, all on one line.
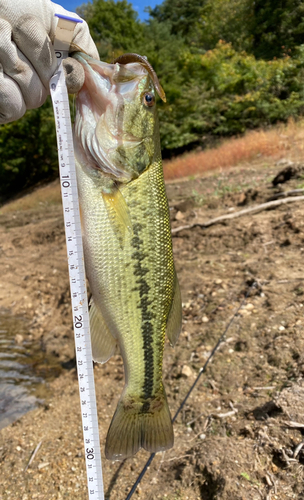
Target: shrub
[[28, 150], [225, 92]]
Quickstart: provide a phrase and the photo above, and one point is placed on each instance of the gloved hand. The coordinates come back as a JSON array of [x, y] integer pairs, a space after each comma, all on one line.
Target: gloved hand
[[27, 57]]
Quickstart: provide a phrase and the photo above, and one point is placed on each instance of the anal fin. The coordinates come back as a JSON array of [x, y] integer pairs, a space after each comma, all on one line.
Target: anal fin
[[174, 323], [104, 345]]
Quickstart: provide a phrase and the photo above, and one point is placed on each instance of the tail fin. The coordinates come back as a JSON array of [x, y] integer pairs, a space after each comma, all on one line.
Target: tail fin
[[137, 425]]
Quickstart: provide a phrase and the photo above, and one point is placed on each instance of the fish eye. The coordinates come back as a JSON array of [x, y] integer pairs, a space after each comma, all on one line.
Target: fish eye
[[149, 99]]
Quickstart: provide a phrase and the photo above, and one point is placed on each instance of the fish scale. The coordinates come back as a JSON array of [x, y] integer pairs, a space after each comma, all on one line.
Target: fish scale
[[98, 250]]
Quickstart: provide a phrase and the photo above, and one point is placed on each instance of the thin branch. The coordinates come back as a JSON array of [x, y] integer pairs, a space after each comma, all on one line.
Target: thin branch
[[284, 194], [266, 388], [252, 210], [294, 425], [225, 415], [33, 455], [298, 449], [178, 458]]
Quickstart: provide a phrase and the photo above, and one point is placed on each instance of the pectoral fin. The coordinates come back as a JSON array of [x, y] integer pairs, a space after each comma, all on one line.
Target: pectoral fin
[[174, 323], [104, 345], [118, 213]]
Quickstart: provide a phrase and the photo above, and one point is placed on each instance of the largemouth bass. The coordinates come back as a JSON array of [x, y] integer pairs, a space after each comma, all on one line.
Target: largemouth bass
[[127, 243]]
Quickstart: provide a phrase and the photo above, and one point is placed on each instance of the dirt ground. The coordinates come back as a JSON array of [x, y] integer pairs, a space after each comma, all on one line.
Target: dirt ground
[[240, 434]]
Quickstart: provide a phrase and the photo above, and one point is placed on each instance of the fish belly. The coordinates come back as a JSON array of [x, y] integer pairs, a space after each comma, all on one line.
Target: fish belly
[[132, 284]]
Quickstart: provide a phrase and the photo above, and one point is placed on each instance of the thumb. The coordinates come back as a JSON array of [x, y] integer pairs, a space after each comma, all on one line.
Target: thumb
[[74, 75]]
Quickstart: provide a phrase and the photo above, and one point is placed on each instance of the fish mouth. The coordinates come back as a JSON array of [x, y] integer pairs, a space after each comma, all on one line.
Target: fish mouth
[[100, 139]]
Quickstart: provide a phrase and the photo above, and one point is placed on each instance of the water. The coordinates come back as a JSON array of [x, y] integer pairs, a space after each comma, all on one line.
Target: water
[[24, 371]]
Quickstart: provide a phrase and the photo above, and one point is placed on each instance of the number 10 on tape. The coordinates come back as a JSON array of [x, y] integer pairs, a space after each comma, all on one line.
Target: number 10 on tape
[[77, 284]]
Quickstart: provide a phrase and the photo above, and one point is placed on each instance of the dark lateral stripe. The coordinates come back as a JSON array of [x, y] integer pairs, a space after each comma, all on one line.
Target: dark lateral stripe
[[146, 325]]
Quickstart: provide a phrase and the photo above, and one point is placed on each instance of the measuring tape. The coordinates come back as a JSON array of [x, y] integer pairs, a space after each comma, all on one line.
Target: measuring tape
[[68, 181]]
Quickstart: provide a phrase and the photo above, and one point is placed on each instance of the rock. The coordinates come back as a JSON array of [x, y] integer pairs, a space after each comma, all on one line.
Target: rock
[[18, 339], [205, 319], [244, 312], [179, 216], [43, 464], [247, 196], [242, 199], [290, 401], [284, 161], [186, 371], [285, 175]]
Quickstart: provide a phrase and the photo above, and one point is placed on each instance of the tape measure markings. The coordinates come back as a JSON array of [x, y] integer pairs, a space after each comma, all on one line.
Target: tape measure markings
[[79, 301]]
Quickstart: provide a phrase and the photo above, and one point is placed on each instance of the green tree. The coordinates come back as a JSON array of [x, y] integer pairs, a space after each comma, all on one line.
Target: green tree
[[28, 150], [202, 23], [228, 92], [214, 59], [181, 14], [277, 27], [114, 26], [228, 21]]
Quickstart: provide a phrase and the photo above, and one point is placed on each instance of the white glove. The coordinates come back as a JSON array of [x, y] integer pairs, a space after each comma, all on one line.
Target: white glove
[[27, 57]]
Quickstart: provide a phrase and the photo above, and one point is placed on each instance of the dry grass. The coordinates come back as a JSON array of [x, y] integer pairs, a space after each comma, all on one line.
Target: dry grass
[[42, 196], [278, 142]]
